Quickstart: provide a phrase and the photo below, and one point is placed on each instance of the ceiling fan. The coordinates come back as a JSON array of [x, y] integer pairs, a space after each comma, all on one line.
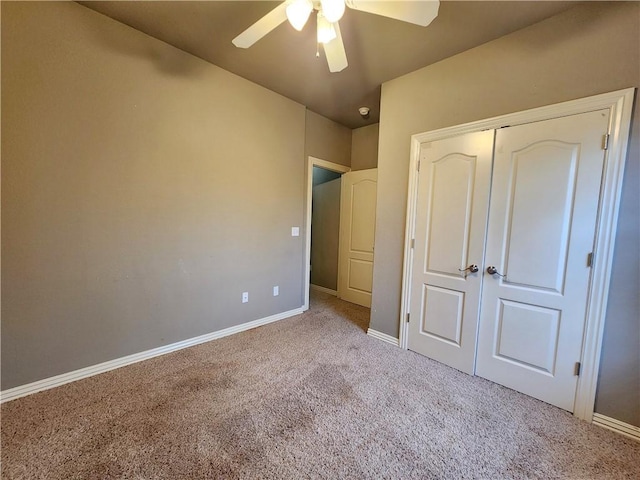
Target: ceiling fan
[[329, 12]]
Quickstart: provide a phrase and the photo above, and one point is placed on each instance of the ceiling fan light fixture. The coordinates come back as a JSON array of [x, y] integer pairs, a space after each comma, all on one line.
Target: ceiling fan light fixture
[[332, 9], [298, 13], [326, 32]]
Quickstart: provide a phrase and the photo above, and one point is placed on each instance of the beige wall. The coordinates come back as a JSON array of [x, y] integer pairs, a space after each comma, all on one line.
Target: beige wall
[[590, 49], [325, 232], [364, 147], [327, 140], [143, 190]]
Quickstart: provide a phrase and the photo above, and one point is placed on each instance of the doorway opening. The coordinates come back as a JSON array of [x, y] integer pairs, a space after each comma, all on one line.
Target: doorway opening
[[322, 239], [325, 230], [340, 231]]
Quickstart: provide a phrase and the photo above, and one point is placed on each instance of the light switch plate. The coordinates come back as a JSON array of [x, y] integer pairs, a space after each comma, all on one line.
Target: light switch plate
[[245, 297], [295, 231], [276, 290]]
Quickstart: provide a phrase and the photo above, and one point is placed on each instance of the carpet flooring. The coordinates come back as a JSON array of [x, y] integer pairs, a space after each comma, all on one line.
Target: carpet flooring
[[307, 397]]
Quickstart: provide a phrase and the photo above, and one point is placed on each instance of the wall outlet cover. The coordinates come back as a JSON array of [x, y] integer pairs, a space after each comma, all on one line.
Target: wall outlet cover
[[245, 297], [295, 231]]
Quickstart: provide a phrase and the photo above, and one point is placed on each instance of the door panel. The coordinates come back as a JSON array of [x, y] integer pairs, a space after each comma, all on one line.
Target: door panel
[[360, 272], [542, 221], [357, 230], [451, 187], [527, 335], [442, 317], [363, 203], [451, 215], [542, 184]]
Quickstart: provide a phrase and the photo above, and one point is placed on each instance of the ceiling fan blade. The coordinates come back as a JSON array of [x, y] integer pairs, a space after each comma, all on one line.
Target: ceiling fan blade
[[418, 12], [263, 26], [335, 53]]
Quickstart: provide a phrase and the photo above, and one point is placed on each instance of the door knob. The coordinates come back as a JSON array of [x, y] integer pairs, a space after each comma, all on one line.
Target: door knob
[[473, 268], [491, 270]]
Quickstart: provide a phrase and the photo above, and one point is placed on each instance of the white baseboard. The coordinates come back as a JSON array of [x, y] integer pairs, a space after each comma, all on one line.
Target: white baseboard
[[323, 289], [58, 380], [384, 337], [626, 429]]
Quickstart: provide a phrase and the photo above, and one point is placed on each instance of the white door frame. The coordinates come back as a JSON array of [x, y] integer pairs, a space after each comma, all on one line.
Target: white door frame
[[620, 104], [334, 167]]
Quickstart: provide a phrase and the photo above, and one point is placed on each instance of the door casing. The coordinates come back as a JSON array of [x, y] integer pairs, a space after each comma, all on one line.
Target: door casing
[[334, 167], [620, 104]]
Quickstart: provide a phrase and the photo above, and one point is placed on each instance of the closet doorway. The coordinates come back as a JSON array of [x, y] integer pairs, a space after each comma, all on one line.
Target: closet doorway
[[509, 244]]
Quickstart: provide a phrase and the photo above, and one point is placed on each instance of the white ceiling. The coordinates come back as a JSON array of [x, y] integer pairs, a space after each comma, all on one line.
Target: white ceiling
[[378, 49]]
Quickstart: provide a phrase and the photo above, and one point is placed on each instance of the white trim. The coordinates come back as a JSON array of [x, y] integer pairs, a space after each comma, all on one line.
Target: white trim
[[58, 380], [620, 104], [334, 167], [626, 429], [323, 289], [409, 234], [383, 336]]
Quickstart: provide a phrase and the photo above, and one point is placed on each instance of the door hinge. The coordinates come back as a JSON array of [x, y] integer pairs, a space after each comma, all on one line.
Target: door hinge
[[408, 315], [576, 369], [589, 259], [418, 165], [605, 141], [413, 243]]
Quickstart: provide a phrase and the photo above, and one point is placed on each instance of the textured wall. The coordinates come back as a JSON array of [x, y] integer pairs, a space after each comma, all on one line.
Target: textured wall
[[364, 147], [590, 49], [325, 231], [143, 190]]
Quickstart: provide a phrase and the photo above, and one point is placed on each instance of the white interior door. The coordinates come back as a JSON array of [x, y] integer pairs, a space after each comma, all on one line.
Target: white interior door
[[450, 229], [357, 231], [542, 221]]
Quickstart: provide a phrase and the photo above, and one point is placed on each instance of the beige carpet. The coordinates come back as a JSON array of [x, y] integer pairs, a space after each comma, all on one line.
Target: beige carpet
[[307, 397]]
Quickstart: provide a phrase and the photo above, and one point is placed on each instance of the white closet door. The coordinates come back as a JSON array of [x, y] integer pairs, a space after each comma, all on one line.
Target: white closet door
[[451, 216], [357, 234], [544, 202]]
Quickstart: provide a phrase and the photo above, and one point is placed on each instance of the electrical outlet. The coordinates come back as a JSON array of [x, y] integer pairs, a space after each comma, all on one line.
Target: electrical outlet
[[276, 290], [245, 297]]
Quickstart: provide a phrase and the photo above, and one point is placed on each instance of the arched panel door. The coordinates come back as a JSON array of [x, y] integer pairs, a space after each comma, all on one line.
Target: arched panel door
[[357, 232], [542, 223], [451, 215]]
